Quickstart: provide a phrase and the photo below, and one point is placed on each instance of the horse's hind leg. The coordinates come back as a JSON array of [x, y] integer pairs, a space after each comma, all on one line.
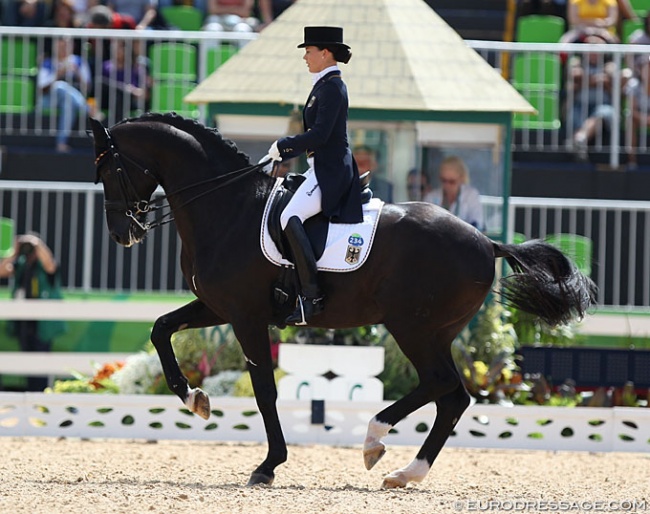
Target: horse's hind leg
[[439, 382], [192, 315]]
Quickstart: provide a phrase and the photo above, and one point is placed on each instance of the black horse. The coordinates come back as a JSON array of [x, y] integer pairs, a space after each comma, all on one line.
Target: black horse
[[426, 277]]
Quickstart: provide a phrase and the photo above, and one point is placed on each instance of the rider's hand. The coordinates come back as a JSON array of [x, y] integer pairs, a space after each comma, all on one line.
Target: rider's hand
[[274, 153], [268, 168]]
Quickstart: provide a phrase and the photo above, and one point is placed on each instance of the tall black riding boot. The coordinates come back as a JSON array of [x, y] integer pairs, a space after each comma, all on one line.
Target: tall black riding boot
[[310, 300]]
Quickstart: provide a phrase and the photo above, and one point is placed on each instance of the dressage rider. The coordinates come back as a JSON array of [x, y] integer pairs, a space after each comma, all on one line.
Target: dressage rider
[[332, 181]]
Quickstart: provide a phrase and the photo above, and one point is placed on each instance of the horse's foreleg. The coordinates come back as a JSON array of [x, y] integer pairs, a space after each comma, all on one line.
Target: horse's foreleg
[[257, 349], [192, 315]]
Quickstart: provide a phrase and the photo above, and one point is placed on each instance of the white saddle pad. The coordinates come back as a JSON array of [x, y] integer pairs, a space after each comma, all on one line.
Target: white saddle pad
[[347, 246]]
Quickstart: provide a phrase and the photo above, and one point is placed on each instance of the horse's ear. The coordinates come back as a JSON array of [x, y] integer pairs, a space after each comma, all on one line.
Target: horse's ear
[[99, 133]]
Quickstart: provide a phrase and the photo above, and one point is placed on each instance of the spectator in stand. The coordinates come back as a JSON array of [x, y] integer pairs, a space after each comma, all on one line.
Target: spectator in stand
[[64, 17], [125, 84], [455, 194], [640, 110], [26, 13], [235, 16], [417, 185], [366, 159], [64, 80], [103, 17], [590, 86], [144, 12], [641, 37], [601, 14]]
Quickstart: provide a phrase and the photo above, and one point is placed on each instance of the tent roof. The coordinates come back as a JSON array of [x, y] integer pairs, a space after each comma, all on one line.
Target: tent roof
[[405, 57]]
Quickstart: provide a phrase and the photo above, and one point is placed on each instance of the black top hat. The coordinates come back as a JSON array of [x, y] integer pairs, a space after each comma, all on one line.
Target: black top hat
[[324, 37]]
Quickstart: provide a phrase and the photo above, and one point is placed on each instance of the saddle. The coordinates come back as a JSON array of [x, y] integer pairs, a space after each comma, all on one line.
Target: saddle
[[316, 227], [286, 286]]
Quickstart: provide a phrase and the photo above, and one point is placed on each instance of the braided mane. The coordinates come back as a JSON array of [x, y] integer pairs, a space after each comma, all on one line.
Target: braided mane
[[208, 137]]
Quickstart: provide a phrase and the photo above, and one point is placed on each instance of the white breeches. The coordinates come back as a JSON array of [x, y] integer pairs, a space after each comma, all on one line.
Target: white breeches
[[306, 201]]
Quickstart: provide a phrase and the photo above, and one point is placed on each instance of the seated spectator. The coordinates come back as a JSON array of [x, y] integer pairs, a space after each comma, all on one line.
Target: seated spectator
[[144, 12], [417, 185], [590, 85], [64, 16], [366, 159], [455, 194], [103, 17], [231, 16], [26, 13], [602, 14], [125, 87], [63, 80], [641, 37], [639, 110]]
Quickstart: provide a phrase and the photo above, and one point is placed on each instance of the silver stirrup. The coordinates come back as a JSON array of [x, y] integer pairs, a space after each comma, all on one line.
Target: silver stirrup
[[302, 312]]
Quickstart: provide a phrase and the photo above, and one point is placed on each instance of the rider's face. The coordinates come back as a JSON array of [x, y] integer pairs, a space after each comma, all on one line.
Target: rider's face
[[316, 59]]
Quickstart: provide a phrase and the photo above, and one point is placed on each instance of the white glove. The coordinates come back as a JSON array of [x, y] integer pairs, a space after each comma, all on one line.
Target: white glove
[[274, 153], [268, 168]]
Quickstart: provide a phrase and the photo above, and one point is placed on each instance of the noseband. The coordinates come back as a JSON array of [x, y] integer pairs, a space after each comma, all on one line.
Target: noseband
[[131, 205]]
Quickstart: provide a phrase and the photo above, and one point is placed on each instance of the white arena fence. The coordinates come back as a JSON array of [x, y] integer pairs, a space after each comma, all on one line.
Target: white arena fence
[[237, 419], [70, 218]]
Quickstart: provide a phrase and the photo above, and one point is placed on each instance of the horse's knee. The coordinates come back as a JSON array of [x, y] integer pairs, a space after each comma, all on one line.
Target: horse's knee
[[161, 330]]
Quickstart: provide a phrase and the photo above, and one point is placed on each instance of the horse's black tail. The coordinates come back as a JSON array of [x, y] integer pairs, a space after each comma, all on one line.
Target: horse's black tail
[[545, 282]]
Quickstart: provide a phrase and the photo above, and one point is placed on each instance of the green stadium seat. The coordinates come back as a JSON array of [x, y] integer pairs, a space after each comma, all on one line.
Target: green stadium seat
[[537, 71], [173, 61], [217, 55], [16, 95], [183, 17], [641, 7], [629, 26], [539, 28], [6, 237], [578, 248], [18, 57], [168, 97], [547, 104]]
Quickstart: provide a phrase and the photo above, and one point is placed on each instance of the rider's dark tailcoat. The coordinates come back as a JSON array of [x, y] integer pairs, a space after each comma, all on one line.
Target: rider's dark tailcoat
[[325, 138]]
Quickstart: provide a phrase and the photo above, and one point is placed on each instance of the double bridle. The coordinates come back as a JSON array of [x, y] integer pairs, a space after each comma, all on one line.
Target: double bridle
[[131, 203]]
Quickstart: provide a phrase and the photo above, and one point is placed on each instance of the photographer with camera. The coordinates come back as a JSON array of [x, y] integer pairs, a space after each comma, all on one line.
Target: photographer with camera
[[35, 274]]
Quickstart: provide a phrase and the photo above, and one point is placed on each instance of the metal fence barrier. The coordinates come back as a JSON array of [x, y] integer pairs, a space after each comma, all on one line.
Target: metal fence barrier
[[609, 239]]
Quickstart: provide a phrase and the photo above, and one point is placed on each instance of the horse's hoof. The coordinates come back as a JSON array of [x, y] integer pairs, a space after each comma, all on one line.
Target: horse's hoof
[[260, 479], [199, 403], [372, 455], [393, 482]]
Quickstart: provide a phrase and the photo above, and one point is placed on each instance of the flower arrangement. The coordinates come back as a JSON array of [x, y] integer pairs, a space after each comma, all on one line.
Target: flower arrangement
[[210, 359]]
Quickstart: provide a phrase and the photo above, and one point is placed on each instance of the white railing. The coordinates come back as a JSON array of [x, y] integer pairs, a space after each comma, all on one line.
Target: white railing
[[618, 232], [237, 419], [70, 218], [544, 82]]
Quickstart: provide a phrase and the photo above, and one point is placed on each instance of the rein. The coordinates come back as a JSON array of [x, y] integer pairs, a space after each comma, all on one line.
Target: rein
[[133, 205]]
